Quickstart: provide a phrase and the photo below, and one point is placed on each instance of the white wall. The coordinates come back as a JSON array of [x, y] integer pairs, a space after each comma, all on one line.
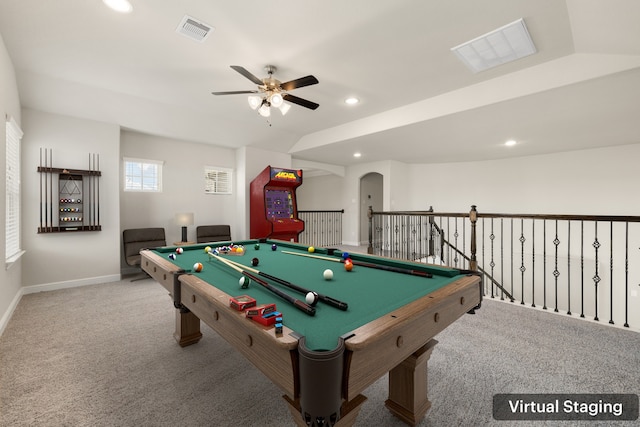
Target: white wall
[[10, 279], [63, 259], [182, 186], [601, 181]]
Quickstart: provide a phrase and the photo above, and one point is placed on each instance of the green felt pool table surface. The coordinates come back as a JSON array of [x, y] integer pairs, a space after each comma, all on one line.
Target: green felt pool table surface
[[370, 293]]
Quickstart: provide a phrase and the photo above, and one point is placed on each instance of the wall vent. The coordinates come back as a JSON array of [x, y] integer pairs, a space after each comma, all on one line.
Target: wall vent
[[194, 29]]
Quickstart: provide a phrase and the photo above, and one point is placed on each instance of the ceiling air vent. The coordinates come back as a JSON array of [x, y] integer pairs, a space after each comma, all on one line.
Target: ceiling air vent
[[194, 29]]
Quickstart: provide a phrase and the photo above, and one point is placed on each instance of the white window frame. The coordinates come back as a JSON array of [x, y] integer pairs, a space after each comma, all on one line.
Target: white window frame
[[13, 250], [218, 180], [156, 181]]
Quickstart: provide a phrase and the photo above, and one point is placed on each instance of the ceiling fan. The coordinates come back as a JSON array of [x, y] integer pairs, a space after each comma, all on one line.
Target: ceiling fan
[[272, 92]]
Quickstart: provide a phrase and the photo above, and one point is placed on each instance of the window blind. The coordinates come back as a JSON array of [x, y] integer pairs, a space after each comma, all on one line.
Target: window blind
[[217, 180], [12, 225]]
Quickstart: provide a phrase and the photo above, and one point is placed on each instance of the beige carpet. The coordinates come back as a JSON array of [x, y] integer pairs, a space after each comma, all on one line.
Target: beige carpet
[[104, 355]]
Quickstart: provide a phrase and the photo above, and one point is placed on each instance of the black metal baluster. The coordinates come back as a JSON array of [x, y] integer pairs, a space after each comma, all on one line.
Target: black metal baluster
[[502, 257], [544, 264], [492, 236], [611, 273], [533, 263], [596, 278], [512, 269], [556, 273], [522, 267], [582, 268], [569, 268], [626, 275]]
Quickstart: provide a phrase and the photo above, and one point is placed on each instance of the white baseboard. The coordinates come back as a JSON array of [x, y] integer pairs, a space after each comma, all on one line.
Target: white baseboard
[[7, 314], [70, 284]]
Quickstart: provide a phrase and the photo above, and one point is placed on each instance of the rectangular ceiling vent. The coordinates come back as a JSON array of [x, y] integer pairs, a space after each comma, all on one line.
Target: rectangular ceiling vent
[[194, 29], [497, 47]]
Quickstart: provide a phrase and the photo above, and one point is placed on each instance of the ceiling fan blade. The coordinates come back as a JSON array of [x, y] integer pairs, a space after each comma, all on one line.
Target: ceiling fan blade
[[301, 82], [235, 92], [247, 74], [302, 102]]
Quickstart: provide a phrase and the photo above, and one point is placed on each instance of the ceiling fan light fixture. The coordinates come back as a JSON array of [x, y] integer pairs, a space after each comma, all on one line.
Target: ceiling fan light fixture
[[276, 99], [264, 110], [284, 108], [254, 101]]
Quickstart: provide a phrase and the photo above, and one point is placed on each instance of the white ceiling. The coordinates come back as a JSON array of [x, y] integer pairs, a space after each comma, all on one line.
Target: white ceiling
[[419, 103]]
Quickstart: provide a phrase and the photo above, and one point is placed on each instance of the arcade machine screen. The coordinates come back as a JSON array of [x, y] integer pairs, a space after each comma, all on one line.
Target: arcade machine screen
[[279, 203]]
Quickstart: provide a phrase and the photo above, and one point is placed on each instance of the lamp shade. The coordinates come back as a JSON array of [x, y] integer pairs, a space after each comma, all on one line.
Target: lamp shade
[[284, 108], [184, 219], [264, 111], [276, 100], [254, 101]]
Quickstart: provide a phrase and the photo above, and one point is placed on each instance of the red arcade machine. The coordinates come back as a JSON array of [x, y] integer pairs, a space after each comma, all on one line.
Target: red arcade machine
[[274, 211]]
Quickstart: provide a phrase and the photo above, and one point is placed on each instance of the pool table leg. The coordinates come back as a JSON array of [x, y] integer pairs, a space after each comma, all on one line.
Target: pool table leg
[[187, 327], [408, 386]]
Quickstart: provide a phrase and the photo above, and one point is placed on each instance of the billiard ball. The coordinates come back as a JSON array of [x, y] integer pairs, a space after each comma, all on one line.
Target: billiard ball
[[311, 298], [257, 247], [328, 274], [244, 282], [197, 267], [172, 256], [179, 250], [207, 249], [239, 250], [345, 255], [348, 265], [255, 261], [311, 249], [274, 247]]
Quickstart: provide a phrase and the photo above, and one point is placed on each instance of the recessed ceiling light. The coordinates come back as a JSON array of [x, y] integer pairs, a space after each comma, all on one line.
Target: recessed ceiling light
[[510, 143], [351, 101], [122, 6], [357, 155]]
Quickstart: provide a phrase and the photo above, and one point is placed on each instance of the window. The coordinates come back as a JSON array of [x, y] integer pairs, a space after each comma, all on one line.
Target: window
[[142, 175], [217, 180], [13, 136]]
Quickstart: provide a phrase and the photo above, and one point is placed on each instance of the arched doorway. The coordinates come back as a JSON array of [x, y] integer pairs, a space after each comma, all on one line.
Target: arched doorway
[[370, 195]]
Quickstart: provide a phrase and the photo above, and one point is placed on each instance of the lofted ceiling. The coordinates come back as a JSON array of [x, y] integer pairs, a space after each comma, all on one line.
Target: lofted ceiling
[[418, 102]]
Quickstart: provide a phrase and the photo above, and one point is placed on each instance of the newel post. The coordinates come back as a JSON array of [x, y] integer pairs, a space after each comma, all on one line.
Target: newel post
[[473, 217]]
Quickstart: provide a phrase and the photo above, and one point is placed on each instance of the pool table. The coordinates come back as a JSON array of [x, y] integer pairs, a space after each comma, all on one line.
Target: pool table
[[325, 357]]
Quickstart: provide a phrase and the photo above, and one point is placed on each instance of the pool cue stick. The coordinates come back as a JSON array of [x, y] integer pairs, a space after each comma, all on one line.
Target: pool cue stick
[[324, 298], [90, 189], [295, 301], [40, 170], [46, 190], [97, 178], [51, 188], [408, 271]]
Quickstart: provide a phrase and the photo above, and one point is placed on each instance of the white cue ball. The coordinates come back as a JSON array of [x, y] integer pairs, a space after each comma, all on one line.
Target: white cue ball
[[328, 274], [311, 298]]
